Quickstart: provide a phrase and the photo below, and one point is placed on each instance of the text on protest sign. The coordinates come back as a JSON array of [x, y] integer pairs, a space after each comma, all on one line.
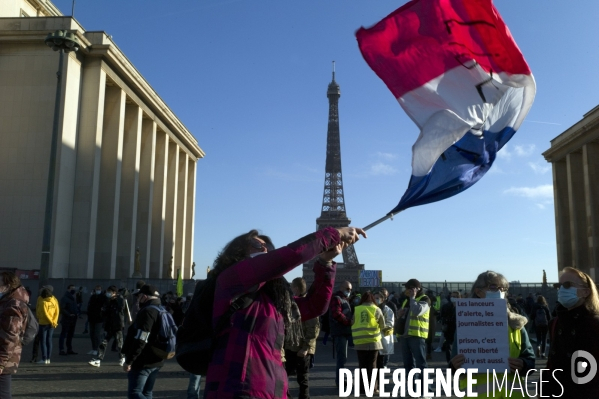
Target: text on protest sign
[[482, 333]]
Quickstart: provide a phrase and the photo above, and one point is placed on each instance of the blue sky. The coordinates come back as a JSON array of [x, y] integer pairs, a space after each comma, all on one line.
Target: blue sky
[[249, 77]]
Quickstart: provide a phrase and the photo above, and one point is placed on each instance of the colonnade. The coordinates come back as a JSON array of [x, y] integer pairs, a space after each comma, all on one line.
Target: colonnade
[[575, 158], [134, 186]]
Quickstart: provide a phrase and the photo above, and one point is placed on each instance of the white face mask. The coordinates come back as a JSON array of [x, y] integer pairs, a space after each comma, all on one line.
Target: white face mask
[[495, 294], [98, 292], [378, 301], [453, 299], [256, 254]]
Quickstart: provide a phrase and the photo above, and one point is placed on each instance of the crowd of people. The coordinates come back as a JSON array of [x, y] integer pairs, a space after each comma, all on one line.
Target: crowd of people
[[356, 319], [274, 338]]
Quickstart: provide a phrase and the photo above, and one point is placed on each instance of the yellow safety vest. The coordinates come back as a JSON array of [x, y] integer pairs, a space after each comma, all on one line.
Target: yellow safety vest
[[417, 325], [365, 329], [480, 385], [438, 303]]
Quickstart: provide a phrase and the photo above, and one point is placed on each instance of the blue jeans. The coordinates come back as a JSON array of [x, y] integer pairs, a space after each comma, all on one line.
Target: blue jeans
[[193, 389], [340, 353], [413, 349], [141, 383], [45, 332]]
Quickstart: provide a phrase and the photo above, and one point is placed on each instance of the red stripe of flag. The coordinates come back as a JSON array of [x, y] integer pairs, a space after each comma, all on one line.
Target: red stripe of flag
[[424, 38]]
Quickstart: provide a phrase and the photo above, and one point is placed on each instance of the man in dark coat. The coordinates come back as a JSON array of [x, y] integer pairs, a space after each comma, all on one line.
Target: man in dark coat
[[69, 313], [94, 317], [113, 317], [448, 318], [141, 363], [135, 298]]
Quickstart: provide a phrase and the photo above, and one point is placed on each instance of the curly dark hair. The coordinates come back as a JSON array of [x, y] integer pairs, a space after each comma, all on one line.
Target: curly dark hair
[[236, 250], [233, 252]]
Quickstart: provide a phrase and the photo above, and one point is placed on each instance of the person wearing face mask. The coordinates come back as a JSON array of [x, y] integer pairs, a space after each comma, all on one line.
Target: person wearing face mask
[[135, 298], [13, 320], [448, 320], [354, 300], [521, 358], [94, 317], [69, 313], [340, 314], [575, 328], [113, 318], [387, 338]]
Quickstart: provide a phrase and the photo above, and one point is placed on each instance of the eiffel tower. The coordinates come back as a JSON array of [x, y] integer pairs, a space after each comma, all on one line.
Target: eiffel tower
[[333, 203]]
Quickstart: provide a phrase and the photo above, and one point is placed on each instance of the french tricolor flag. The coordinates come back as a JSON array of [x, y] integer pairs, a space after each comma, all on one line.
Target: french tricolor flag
[[456, 70]]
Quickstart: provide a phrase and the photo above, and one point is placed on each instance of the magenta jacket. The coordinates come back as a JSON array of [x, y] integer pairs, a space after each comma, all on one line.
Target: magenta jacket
[[247, 359]]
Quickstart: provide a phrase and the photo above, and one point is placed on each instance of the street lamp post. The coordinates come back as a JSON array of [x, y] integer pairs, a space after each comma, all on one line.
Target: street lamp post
[[63, 42]]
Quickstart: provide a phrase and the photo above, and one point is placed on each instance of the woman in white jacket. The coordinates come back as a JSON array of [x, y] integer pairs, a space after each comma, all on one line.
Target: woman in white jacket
[[388, 338]]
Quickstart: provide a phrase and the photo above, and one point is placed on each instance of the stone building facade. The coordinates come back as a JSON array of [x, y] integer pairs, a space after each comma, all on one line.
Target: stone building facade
[[125, 164], [574, 156]]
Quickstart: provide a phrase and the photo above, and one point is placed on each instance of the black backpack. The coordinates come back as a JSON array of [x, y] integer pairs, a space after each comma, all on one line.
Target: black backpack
[[196, 337], [541, 318], [31, 327]]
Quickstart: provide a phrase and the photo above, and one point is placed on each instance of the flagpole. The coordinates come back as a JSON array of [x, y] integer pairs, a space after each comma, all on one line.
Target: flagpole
[[381, 220]]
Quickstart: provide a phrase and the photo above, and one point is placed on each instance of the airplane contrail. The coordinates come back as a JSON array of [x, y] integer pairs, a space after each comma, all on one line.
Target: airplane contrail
[[546, 123]]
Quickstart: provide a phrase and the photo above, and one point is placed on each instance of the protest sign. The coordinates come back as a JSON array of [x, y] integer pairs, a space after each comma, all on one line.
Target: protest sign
[[371, 278], [482, 333]]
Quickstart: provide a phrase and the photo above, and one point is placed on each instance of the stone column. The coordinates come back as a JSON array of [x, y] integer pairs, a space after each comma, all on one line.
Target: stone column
[[577, 205], [110, 183], [181, 205], [87, 174], [145, 196], [190, 215], [127, 225], [159, 205], [170, 220], [562, 214], [66, 165], [590, 159]]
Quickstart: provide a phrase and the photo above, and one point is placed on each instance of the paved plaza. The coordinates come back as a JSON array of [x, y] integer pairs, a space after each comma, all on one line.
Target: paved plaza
[[71, 376]]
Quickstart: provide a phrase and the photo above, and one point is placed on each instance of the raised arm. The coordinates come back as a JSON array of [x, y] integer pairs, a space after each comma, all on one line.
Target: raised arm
[[316, 301], [252, 272]]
